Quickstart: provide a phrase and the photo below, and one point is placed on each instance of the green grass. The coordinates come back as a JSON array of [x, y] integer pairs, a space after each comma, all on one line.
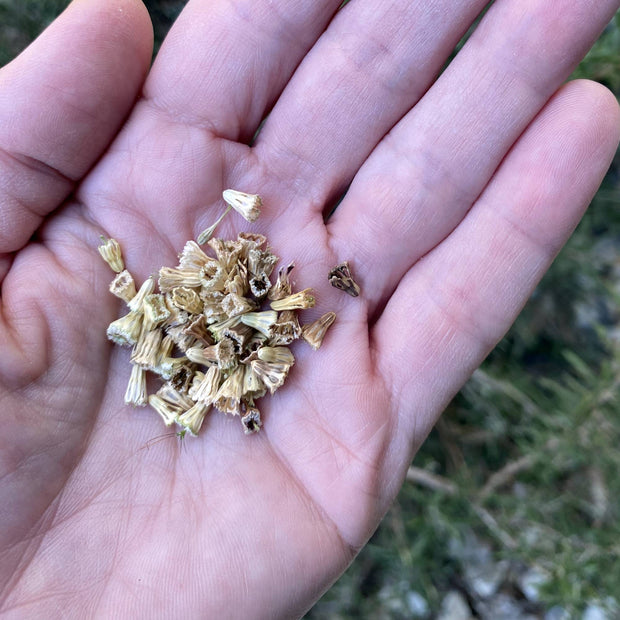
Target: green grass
[[543, 410]]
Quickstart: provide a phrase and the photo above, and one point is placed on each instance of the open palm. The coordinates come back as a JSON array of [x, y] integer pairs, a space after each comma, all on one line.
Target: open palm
[[461, 190]]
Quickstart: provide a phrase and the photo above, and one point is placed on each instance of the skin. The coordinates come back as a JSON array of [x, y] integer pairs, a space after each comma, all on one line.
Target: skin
[[462, 190]]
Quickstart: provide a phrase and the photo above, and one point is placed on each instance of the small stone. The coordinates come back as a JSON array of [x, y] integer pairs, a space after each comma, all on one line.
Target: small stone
[[417, 604], [595, 612], [454, 607], [557, 613], [530, 583]]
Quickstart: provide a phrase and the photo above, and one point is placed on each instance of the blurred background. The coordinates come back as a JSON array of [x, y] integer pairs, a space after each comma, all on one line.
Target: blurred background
[[511, 508]]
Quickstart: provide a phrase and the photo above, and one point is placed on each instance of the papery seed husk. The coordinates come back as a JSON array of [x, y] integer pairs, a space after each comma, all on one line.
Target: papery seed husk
[[239, 335], [193, 418], [193, 257], [173, 277], [278, 355], [217, 329], [177, 315], [174, 397], [146, 352], [272, 375], [251, 381], [148, 286], [252, 240], [167, 412], [234, 305], [237, 281], [226, 251], [110, 251], [260, 321], [247, 205], [155, 310], [283, 287], [261, 262], [206, 390], [340, 277], [259, 286], [198, 328], [169, 367], [314, 332], [126, 330], [297, 301], [213, 277], [228, 397], [187, 299], [251, 421], [183, 377], [136, 389], [285, 330], [221, 354], [123, 286]]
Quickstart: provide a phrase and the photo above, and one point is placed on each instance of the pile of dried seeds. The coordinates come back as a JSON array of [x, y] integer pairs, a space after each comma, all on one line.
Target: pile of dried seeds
[[218, 330]]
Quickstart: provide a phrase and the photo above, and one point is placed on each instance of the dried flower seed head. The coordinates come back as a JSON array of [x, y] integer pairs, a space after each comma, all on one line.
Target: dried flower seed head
[[228, 397], [193, 257], [251, 240], [296, 301], [169, 367], [206, 389], [260, 321], [166, 347], [178, 401], [182, 378], [239, 335], [259, 286], [147, 351], [155, 310], [272, 375], [256, 341], [167, 412], [226, 252], [193, 418], [187, 299], [206, 234], [247, 205], [148, 286], [237, 281], [251, 421], [282, 288], [136, 389], [285, 330], [341, 278], [217, 329], [212, 278], [314, 332], [252, 384], [277, 355], [201, 355], [180, 337], [110, 251], [234, 305], [177, 315], [261, 262], [123, 286], [173, 277], [126, 330], [221, 354], [198, 329]]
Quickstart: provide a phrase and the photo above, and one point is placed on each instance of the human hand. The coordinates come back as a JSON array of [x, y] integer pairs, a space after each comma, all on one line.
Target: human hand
[[452, 216]]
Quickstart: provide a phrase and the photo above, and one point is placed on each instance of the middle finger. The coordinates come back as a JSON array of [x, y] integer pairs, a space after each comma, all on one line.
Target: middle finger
[[374, 61]]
